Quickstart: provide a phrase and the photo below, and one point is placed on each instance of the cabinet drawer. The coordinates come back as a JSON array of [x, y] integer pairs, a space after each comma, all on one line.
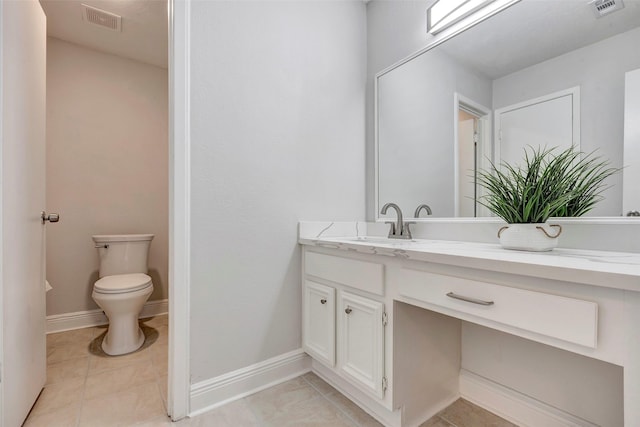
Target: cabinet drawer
[[568, 319], [366, 276]]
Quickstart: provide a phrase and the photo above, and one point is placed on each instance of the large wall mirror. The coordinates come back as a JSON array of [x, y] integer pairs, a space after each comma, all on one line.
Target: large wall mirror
[[541, 73]]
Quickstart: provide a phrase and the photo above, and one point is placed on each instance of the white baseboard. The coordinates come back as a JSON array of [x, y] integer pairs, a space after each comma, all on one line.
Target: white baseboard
[[513, 405], [89, 318], [209, 394]]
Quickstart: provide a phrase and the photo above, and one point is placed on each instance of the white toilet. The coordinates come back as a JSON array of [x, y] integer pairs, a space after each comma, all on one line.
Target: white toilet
[[123, 288]]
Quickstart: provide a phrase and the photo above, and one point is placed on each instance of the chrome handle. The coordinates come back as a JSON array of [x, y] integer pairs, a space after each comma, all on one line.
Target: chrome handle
[[323, 301], [104, 246], [52, 217], [469, 299], [421, 207], [348, 310], [407, 231]]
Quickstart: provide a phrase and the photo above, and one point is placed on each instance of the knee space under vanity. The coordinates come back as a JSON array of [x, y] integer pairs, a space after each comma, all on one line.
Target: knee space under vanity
[[438, 358]]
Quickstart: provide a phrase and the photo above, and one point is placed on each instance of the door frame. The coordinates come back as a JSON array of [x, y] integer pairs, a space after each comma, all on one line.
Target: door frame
[[1, 224], [179, 210], [631, 145], [462, 102], [179, 383]]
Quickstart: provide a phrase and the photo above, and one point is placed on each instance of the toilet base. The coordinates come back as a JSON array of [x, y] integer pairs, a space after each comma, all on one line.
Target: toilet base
[[124, 344], [122, 309]]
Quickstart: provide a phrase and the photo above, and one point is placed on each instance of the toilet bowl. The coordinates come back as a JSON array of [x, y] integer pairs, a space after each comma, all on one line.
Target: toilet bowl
[[122, 297], [123, 289]]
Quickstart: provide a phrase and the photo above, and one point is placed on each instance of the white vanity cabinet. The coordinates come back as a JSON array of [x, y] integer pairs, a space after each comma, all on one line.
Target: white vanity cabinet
[[343, 326], [430, 321]]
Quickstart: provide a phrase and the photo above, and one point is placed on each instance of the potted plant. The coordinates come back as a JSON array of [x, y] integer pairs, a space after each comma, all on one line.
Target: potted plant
[[568, 184]]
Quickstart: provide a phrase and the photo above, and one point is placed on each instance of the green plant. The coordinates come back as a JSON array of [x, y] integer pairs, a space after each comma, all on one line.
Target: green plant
[[568, 184]]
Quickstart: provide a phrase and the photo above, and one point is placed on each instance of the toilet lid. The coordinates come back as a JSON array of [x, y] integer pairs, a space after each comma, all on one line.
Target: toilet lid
[[121, 283]]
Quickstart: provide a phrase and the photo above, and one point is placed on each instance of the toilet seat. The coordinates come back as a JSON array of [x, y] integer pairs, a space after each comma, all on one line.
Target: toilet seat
[[122, 283]]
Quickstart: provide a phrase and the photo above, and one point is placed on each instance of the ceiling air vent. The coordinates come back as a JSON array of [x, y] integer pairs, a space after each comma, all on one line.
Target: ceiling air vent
[[605, 7], [102, 18]]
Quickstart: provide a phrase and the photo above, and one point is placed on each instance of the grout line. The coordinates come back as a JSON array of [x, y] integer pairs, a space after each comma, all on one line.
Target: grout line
[[253, 412], [446, 421], [349, 417], [95, 333], [84, 385]]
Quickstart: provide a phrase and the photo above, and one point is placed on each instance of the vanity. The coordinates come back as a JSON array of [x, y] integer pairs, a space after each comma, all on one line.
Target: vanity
[[405, 327], [386, 322]]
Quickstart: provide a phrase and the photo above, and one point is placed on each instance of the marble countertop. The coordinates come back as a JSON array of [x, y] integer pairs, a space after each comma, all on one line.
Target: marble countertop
[[620, 270]]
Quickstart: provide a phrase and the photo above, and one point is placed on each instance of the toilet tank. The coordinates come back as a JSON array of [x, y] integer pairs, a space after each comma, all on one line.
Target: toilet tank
[[123, 253]]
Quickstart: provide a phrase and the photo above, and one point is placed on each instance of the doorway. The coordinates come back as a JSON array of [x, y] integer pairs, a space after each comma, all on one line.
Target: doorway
[[178, 215], [472, 130]]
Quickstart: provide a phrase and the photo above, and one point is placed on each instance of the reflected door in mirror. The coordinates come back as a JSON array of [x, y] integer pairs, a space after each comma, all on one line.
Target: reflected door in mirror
[[631, 181], [541, 123]]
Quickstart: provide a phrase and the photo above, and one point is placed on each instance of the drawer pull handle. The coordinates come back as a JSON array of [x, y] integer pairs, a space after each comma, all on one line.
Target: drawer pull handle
[[323, 301], [348, 310], [469, 299]]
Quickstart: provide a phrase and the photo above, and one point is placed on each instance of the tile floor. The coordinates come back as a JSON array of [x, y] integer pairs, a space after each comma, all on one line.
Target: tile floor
[[85, 387]]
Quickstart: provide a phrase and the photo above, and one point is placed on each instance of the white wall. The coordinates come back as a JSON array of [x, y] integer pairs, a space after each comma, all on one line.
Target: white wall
[[277, 130], [107, 168], [599, 71]]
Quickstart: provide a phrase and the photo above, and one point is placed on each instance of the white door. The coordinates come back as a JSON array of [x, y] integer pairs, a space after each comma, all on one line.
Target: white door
[[631, 171], [549, 121], [466, 166], [361, 342], [319, 322], [22, 130]]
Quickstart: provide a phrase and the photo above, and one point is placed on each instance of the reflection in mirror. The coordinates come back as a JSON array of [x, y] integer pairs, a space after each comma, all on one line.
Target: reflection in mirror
[[541, 73], [631, 177]]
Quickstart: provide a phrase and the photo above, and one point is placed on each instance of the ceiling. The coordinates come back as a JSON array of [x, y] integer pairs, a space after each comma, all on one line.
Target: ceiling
[[144, 35], [533, 31]]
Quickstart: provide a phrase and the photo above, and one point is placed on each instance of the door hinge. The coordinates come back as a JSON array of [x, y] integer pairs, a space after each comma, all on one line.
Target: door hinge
[[384, 383], [385, 319]]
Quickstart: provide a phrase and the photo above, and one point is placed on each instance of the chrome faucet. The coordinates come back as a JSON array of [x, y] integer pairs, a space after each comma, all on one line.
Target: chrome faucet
[[421, 207], [399, 229]]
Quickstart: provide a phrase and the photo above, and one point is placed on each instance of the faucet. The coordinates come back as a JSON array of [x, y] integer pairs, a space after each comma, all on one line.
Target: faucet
[[419, 208], [399, 229]]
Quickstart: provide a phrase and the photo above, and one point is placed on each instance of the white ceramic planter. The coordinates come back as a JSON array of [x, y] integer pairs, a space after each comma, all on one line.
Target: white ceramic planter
[[530, 237]]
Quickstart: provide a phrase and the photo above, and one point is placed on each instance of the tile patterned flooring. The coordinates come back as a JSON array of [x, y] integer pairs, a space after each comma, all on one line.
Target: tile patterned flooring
[[85, 387]]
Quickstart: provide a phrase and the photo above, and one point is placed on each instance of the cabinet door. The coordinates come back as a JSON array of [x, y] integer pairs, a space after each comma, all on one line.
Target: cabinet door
[[319, 324], [361, 342]]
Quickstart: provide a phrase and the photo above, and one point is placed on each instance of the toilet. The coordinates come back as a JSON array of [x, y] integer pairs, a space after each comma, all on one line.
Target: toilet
[[123, 288]]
